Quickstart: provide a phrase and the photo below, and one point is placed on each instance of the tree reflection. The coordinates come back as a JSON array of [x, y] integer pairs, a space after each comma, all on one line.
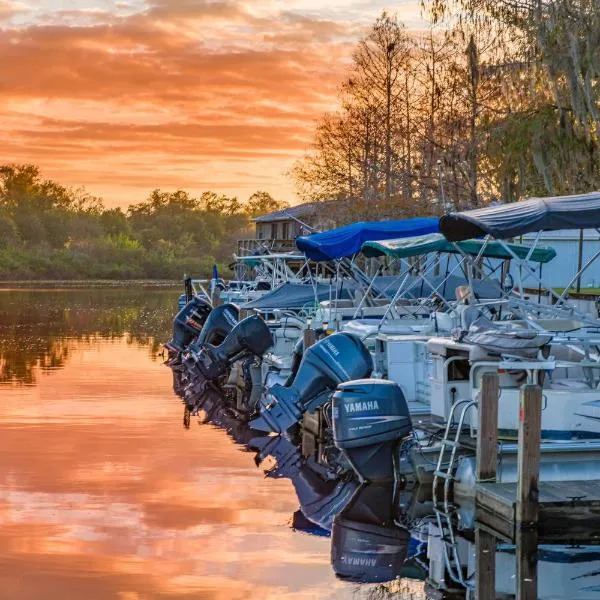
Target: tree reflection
[[38, 328]]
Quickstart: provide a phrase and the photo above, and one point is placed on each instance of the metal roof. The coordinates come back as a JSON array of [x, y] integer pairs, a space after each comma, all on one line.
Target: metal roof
[[300, 210]]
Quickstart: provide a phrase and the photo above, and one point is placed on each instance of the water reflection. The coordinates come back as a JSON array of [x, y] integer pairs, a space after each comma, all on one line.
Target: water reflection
[[378, 531], [105, 495], [38, 327]]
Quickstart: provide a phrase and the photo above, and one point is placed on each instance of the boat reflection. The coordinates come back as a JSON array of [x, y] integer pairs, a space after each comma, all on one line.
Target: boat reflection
[[372, 540], [383, 533]]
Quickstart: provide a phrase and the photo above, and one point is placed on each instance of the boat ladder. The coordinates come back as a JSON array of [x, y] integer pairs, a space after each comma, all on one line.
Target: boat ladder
[[451, 440], [444, 510]]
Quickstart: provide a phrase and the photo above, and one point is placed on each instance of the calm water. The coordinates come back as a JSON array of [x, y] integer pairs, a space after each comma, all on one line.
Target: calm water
[[104, 494]]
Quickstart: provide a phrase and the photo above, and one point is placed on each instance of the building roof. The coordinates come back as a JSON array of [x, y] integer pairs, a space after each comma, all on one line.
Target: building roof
[[293, 212]]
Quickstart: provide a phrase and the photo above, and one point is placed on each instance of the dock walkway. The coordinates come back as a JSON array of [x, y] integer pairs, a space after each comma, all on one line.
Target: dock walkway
[[567, 510]]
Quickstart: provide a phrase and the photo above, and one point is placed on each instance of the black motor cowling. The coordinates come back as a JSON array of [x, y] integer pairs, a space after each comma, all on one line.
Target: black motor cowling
[[297, 354], [366, 545], [331, 361], [220, 322], [249, 337], [188, 323], [370, 417]]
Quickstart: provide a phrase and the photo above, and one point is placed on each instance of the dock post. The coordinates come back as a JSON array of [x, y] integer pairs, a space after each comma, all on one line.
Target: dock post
[[216, 298], [487, 431], [485, 546], [530, 433], [310, 337], [526, 568]]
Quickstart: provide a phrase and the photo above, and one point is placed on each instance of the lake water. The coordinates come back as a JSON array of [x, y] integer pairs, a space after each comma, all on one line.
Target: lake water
[[105, 495]]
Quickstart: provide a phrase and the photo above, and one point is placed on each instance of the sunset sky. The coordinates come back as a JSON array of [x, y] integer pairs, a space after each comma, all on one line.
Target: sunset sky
[[126, 96]]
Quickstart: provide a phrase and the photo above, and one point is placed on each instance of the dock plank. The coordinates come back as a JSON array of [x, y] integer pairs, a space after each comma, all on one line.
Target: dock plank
[[568, 510]]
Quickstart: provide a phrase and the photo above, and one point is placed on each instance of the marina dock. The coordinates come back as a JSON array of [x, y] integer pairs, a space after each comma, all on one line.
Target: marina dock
[[568, 511]]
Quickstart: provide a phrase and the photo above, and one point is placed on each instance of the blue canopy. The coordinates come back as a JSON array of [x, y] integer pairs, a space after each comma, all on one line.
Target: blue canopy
[[348, 240]]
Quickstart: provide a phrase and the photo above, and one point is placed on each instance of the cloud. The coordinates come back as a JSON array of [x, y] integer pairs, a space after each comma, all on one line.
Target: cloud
[[9, 9], [166, 87]]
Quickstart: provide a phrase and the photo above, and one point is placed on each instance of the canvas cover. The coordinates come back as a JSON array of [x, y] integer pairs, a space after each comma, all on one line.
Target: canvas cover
[[296, 296], [348, 240], [581, 211], [436, 242]]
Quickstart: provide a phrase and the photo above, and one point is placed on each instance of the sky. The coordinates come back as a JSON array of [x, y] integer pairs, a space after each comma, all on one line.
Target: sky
[[124, 96]]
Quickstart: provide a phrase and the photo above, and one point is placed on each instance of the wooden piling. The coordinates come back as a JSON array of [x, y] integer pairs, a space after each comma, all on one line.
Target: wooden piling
[[216, 298], [526, 568], [487, 437], [310, 337], [530, 430], [485, 544]]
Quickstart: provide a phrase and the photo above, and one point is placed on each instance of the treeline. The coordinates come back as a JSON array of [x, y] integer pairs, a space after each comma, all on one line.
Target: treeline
[[50, 231], [495, 100]]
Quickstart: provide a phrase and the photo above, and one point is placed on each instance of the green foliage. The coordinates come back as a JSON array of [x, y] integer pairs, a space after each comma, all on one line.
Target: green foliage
[[50, 231]]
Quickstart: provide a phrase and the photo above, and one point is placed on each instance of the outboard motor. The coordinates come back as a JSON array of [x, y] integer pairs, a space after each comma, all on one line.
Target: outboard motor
[[188, 323], [297, 354], [331, 361], [209, 363], [366, 545], [220, 322], [370, 417], [321, 498]]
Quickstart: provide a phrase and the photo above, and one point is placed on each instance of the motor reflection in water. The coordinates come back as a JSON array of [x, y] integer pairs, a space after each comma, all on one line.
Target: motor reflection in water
[[374, 539], [386, 531]]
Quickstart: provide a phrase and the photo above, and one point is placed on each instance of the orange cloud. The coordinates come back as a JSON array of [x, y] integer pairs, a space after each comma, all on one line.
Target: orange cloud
[[172, 93]]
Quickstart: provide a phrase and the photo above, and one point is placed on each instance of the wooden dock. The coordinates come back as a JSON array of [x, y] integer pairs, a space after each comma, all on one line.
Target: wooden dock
[[567, 510]]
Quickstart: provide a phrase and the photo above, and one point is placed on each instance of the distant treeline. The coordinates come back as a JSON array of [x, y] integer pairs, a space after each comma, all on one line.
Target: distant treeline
[[49, 231]]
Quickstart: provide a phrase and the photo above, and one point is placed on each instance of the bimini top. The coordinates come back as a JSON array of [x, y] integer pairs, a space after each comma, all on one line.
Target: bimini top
[[436, 242], [347, 240], [538, 214]]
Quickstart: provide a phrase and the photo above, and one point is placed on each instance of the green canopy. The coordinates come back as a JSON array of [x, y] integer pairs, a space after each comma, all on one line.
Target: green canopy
[[436, 242]]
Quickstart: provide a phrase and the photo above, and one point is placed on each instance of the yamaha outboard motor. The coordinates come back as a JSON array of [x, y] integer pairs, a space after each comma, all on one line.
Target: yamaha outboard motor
[[370, 417], [331, 361], [297, 354], [321, 498], [220, 322], [188, 323], [209, 363], [366, 545]]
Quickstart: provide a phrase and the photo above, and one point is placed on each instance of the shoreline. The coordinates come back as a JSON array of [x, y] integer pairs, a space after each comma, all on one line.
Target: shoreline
[[88, 283]]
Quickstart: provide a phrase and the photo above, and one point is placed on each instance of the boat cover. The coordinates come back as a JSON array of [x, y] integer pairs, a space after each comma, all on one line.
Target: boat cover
[[515, 342], [348, 240], [296, 296], [445, 286], [436, 242], [581, 211]]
